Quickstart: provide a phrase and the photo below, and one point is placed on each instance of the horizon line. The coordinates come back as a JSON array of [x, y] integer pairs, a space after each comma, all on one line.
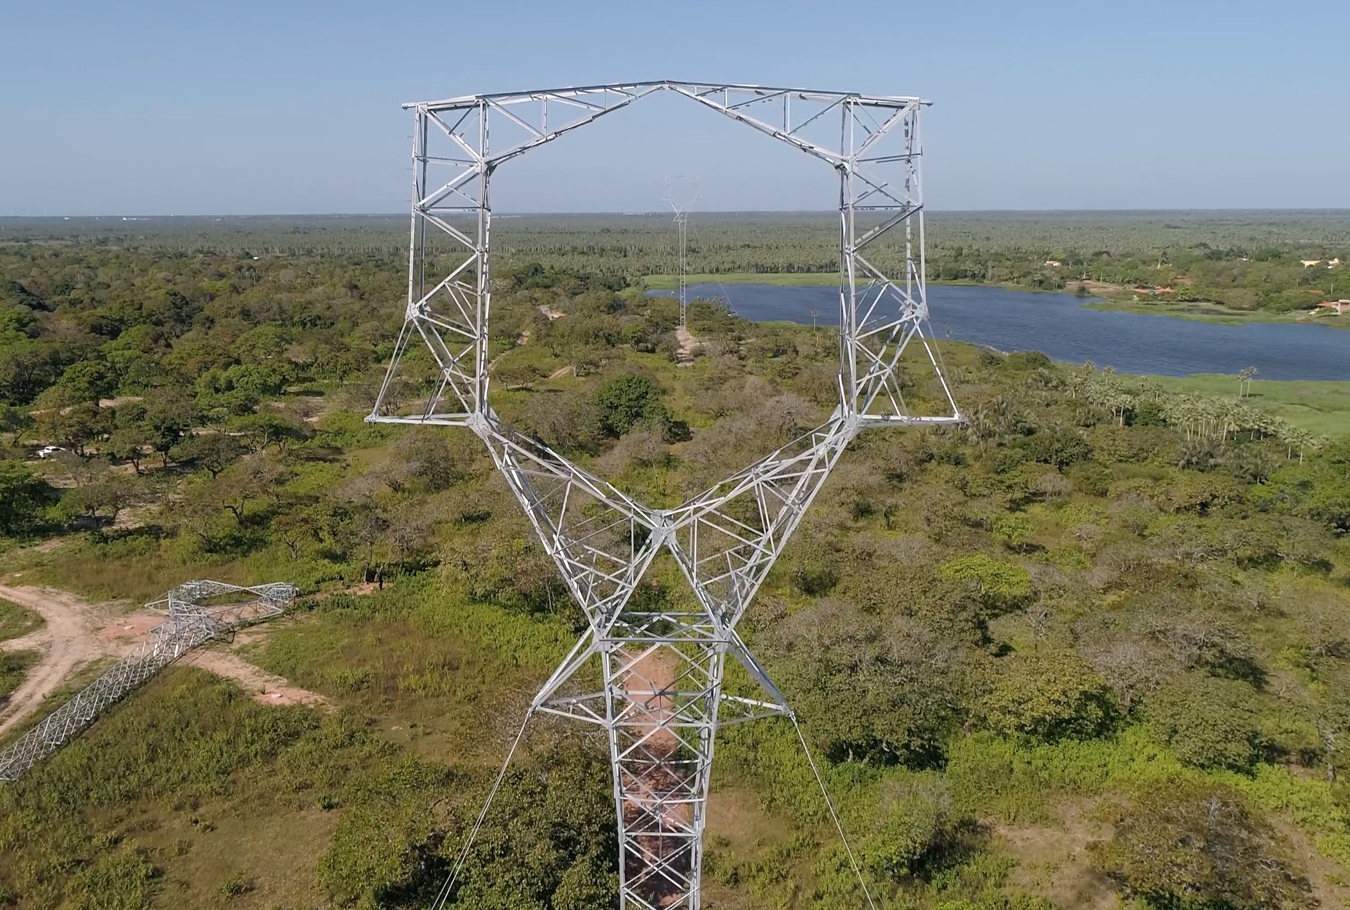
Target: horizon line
[[128, 216]]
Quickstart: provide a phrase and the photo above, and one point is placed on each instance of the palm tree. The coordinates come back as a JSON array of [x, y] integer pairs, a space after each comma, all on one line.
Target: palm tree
[[1245, 377]]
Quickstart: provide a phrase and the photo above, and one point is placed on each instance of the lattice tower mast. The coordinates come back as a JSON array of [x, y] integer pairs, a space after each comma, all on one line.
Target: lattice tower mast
[[662, 699], [682, 192]]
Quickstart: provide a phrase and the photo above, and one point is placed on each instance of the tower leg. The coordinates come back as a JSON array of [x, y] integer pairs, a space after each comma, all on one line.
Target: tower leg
[[664, 700]]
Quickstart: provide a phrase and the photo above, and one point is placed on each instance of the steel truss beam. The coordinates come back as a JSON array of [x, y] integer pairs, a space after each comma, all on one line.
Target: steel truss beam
[[662, 699], [198, 612]]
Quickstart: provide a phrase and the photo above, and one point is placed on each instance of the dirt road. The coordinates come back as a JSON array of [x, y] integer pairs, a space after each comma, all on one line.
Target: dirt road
[[689, 346], [265, 688], [69, 640], [78, 632]]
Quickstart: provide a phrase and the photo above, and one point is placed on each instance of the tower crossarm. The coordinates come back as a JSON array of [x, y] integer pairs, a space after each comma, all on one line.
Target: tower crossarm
[[651, 672]]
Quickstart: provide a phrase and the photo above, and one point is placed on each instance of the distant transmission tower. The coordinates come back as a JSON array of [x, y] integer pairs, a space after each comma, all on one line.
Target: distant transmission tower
[[662, 699], [682, 192]]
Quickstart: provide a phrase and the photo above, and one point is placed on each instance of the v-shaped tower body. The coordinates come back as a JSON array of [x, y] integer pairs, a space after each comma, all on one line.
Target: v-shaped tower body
[[662, 700]]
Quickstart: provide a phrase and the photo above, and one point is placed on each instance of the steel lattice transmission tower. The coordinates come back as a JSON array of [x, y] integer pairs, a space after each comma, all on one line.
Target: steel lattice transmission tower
[[682, 192], [662, 701]]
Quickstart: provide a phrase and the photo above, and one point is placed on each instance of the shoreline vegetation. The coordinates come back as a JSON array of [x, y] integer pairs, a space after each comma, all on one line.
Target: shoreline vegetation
[[1097, 296]]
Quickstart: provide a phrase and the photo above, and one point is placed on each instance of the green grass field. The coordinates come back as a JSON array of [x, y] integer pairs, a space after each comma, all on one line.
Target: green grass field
[[1321, 407], [16, 621], [14, 665]]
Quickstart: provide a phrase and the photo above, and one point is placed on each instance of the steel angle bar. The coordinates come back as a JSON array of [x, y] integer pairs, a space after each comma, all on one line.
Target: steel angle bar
[[555, 463], [790, 138], [445, 283], [522, 148], [451, 229], [899, 115], [453, 131], [577, 707], [451, 186], [902, 214], [502, 108], [469, 101], [663, 666], [876, 188]]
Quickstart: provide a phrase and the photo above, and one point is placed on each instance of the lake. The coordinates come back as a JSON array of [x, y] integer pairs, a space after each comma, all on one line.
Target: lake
[[1059, 326]]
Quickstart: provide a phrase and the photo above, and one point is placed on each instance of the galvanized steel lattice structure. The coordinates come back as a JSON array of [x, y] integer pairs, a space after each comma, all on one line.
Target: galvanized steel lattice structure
[[662, 698], [198, 612]]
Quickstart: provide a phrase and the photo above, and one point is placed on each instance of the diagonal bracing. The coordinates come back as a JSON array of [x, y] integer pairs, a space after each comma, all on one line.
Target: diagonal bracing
[[661, 699], [198, 612]]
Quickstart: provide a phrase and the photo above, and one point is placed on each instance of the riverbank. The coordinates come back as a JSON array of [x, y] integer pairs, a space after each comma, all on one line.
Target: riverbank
[[1104, 297], [1208, 312], [777, 279], [1320, 407]]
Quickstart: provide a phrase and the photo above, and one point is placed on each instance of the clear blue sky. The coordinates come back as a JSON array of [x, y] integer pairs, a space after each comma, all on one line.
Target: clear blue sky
[[290, 107]]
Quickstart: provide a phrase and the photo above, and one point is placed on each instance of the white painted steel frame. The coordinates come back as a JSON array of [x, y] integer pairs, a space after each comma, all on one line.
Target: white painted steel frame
[[196, 614], [662, 701]]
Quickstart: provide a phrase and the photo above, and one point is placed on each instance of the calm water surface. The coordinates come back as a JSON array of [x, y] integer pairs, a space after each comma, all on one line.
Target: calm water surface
[[1059, 326]]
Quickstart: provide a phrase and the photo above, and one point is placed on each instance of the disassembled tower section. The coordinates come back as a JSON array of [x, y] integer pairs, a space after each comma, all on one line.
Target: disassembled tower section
[[662, 699], [199, 611]]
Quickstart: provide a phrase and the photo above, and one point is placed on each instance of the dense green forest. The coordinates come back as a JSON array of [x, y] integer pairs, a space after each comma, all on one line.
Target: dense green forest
[[1090, 650]]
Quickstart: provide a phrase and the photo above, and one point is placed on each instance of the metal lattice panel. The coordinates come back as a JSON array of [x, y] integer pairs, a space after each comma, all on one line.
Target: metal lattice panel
[[198, 611], [662, 667]]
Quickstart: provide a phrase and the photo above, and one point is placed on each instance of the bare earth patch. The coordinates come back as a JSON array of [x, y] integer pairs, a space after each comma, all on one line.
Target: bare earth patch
[[689, 346], [1052, 859], [264, 687], [69, 640], [131, 628], [78, 632]]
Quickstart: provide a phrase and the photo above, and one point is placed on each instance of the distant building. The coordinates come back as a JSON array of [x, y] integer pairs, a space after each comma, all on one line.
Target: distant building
[[1158, 290], [1053, 263], [1309, 263], [1339, 307], [1332, 263]]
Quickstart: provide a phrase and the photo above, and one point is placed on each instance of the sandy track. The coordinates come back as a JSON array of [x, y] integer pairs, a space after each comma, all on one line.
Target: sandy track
[[69, 640], [78, 632], [264, 687], [689, 346]]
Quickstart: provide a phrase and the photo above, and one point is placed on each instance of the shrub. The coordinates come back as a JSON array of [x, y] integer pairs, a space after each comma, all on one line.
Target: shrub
[[1092, 479], [13, 667], [1013, 529], [1051, 694], [1193, 847], [549, 841], [1001, 586], [815, 573], [1209, 722], [1060, 448], [867, 688], [914, 826], [23, 495], [628, 400], [235, 886], [1022, 361]]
